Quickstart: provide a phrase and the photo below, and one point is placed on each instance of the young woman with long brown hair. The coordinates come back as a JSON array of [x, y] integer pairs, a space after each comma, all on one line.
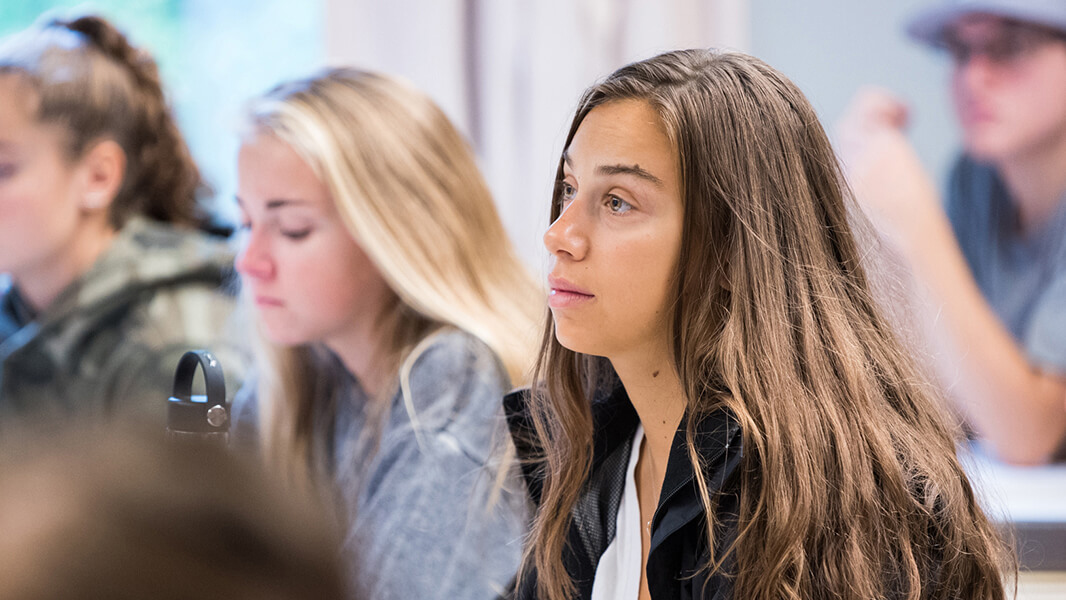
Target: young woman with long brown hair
[[720, 410]]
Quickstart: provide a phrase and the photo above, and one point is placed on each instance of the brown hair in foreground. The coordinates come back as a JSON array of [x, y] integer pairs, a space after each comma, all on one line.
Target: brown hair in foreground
[[849, 483], [118, 513]]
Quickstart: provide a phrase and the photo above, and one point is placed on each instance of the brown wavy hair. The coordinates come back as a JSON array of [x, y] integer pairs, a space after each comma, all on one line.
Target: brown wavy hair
[[90, 81], [849, 484]]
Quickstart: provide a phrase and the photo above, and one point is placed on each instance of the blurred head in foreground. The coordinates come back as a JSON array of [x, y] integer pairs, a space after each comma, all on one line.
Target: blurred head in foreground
[[116, 513]]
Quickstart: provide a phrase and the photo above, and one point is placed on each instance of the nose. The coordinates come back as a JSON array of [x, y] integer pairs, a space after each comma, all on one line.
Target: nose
[[974, 72], [567, 237], [254, 259]]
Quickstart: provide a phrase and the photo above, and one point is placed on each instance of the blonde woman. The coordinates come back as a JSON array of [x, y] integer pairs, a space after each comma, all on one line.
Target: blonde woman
[[395, 315]]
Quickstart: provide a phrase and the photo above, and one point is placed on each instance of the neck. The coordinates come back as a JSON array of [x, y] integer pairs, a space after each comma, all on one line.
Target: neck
[[42, 283], [1036, 182], [360, 358], [363, 351], [656, 393]]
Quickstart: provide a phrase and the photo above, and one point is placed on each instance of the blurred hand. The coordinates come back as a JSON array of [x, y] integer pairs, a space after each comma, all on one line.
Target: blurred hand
[[888, 180]]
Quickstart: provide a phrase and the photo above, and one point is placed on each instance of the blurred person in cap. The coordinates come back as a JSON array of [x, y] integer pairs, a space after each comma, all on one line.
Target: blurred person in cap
[[988, 260]]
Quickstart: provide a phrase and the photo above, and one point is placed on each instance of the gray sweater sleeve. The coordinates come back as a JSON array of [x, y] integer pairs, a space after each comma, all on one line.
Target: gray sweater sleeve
[[431, 519]]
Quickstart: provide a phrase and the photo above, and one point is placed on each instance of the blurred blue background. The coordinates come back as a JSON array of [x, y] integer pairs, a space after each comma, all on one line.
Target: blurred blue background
[[212, 55]]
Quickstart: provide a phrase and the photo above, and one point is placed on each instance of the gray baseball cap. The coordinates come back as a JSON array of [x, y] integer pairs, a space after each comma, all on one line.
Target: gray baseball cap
[[928, 25]]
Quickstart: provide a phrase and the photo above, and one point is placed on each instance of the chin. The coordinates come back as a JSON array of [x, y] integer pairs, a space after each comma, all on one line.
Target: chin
[[988, 146], [9, 265], [281, 336], [982, 153], [579, 341], [286, 341], [570, 340]]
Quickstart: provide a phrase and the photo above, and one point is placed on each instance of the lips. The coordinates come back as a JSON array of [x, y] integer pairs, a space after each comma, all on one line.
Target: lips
[[267, 301], [977, 117], [973, 112], [565, 294]]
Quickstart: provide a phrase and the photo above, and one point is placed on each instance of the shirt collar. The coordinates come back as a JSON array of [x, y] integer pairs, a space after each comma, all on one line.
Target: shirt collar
[[15, 308], [717, 438]]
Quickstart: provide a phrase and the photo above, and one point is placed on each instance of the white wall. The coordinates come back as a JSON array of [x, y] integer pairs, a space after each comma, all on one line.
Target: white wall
[[510, 72], [831, 47]]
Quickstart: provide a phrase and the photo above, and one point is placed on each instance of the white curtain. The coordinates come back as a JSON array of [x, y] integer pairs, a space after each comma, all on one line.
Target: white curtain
[[510, 72]]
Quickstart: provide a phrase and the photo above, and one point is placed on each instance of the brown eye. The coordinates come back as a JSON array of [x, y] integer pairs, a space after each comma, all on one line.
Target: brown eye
[[565, 193], [1005, 49], [617, 205]]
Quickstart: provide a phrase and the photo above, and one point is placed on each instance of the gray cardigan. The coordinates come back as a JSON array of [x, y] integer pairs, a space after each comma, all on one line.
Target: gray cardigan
[[420, 524]]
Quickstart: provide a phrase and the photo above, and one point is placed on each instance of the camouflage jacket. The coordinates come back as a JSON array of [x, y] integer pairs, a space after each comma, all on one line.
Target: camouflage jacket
[[110, 341]]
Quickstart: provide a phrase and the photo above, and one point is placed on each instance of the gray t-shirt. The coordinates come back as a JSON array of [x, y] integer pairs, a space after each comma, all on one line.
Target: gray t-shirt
[[1022, 275], [422, 520]]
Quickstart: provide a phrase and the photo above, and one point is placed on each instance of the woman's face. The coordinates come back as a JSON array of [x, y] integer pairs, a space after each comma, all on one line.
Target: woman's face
[[41, 190], [615, 245], [1009, 87], [310, 281]]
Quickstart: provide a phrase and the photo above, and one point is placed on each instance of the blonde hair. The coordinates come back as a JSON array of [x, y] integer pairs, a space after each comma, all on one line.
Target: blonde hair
[[408, 189]]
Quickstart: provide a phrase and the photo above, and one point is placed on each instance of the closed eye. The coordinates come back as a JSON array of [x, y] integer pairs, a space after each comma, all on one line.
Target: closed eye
[[297, 234]]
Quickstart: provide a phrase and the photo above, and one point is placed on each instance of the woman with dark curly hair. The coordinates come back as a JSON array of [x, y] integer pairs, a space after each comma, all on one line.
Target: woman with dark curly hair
[[109, 281]]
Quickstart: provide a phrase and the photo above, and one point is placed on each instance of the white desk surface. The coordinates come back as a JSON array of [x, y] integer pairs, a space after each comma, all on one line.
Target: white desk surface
[[1019, 494]]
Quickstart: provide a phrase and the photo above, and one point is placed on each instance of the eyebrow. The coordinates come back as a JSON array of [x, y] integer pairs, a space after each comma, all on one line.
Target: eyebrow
[[633, 170], [276, 202]]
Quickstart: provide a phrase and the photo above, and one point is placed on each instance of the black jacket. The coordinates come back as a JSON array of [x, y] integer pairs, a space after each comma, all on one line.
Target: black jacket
[[678, 536]]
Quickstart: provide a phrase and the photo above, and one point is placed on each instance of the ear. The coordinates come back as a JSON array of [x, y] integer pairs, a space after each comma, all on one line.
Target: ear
[[103, 167]]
